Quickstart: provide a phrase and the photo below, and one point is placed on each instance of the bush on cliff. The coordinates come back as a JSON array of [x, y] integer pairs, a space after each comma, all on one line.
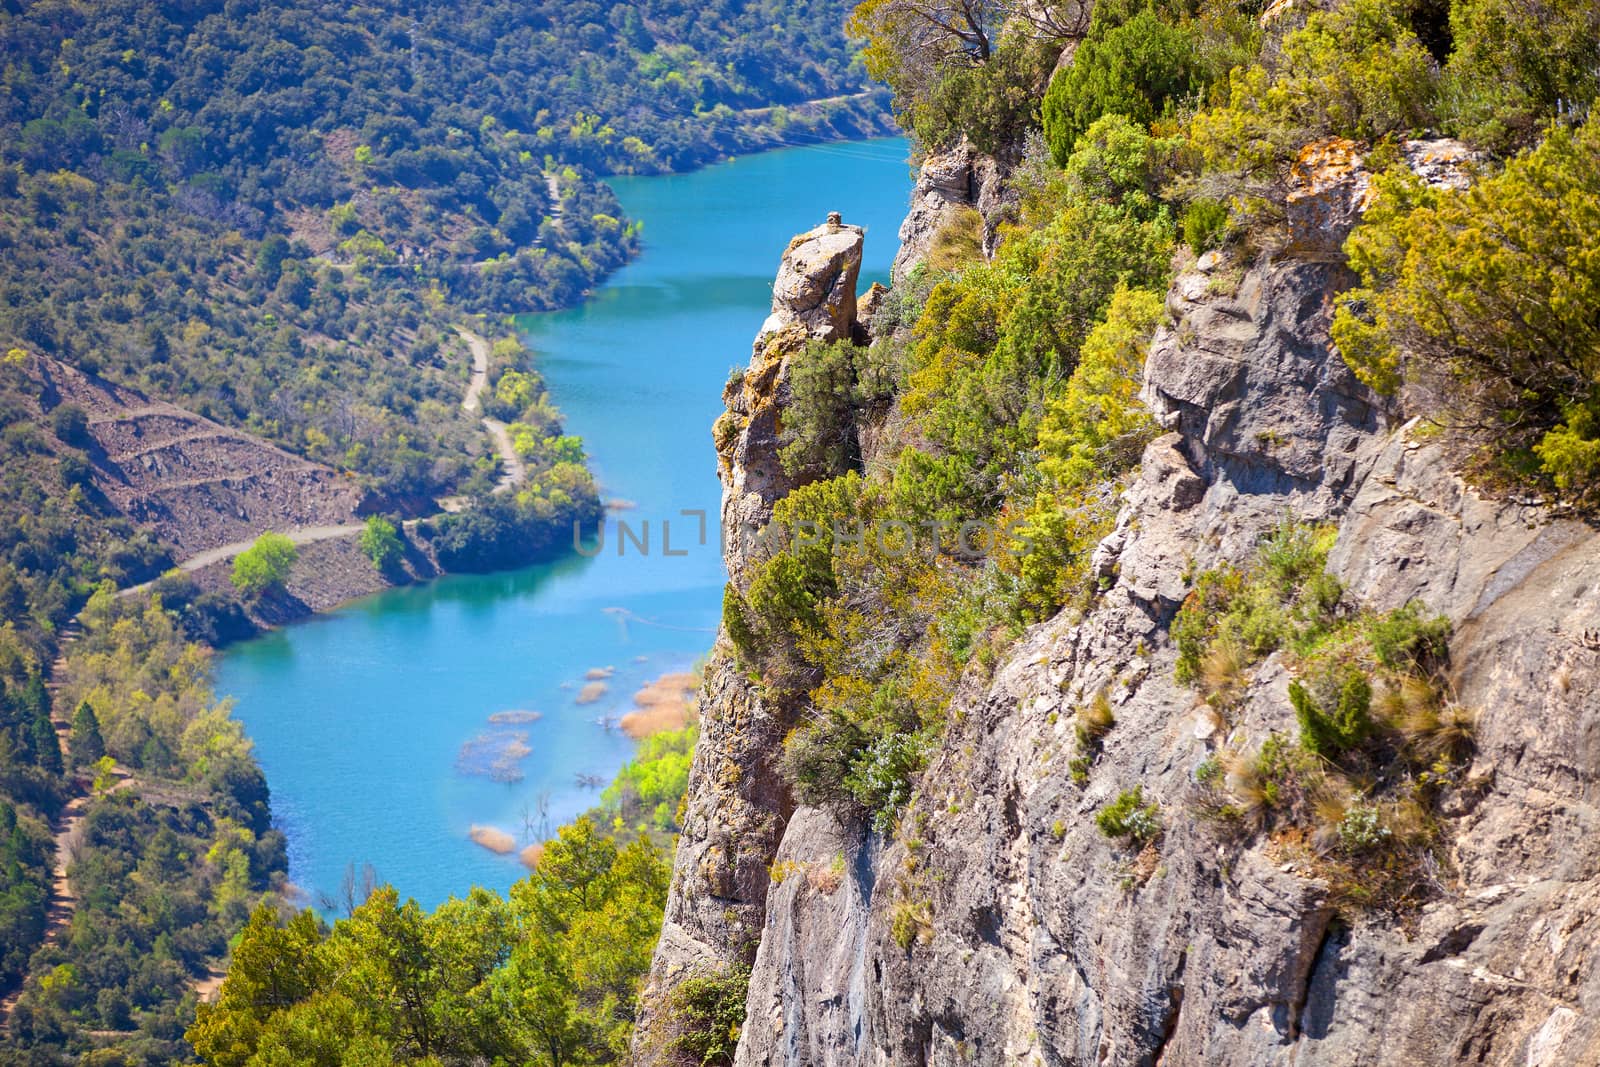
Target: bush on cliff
[[1140, 69], [1517, 64], [1489, 298]]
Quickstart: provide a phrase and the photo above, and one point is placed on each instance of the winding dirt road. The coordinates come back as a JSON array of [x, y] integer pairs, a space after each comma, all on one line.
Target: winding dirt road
[[513, 473], [67, 828]]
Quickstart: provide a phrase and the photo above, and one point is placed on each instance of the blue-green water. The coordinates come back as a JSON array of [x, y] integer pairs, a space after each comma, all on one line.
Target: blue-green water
[[359, 716]]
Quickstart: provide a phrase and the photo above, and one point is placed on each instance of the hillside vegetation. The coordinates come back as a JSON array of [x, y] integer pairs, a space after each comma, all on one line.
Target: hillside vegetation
[[1013, 381], [274, 215]]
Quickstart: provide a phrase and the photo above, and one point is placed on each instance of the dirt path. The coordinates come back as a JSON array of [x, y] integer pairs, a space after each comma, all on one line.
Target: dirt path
[[512, 473], [554, 188], [68, 832]]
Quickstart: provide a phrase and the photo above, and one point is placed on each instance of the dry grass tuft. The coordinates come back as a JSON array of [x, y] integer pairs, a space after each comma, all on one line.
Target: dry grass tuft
[[1222, 673], [1094, 720]]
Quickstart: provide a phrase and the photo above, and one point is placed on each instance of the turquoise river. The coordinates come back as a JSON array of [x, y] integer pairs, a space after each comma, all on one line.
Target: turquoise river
[[359, 717]]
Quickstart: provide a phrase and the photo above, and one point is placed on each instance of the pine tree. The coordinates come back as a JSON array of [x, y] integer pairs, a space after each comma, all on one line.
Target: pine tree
[[87, 745]]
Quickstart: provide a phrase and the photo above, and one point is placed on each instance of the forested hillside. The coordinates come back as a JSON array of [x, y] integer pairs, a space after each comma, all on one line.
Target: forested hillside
[[275, 215]]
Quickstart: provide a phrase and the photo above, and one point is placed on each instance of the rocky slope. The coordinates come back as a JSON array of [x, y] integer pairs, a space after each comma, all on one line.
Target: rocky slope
[[194, 483], [1036, 939]]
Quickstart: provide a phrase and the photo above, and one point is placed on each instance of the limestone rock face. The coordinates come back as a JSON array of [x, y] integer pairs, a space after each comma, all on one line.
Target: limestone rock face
[[1033, 940], [816, 284], [813, 299], [738, 807], [1330, 188], [1001, 927], [948, 181]]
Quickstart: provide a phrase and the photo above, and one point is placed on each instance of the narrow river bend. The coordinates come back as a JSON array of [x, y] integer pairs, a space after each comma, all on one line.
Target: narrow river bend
[[359, 717]]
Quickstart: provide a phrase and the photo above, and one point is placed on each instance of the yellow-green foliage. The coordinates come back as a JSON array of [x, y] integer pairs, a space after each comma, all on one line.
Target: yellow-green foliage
[[1283, 596], [380, 542], [1019, 410], [150, 691], [993, 341], [705, 1015], [1356, 70], [1130, 818], [1497, 290], [550, 974], [1517, 64], [958, 242], [1368, 694], [646, 792], [264, 566], [910, 923], [1097, 425]]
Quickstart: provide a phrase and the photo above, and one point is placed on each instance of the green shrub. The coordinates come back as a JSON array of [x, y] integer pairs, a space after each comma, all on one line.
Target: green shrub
[[910, 922], [1516, 65], [70, 423], [1362, 829], [1356, 70], [1404, 639], [819, 433], [880, 777], [817, 760], [738, 627], [1334, 712], [380, 542], [991, 104], [1204, 224], [1130, 818], [706, 1014], [1283, 597], [1477, 289], [1140, 69], [264, 566]]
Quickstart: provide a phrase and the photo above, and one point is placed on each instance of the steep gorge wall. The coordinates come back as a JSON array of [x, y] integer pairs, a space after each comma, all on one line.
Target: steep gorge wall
[[1040, 941], [738, 807]]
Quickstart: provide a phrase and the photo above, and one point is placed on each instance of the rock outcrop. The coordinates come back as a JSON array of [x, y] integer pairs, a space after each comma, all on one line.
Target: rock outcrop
[[959, 177], [738, 806], [1010, 930]]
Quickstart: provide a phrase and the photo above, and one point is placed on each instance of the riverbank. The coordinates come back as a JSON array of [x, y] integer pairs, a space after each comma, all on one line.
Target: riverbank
[[360, 721]]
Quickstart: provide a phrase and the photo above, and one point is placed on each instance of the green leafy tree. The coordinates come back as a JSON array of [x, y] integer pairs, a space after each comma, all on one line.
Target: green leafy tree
[[264, 566], [1516, 64], [1140, 70], [1357, 70], [380, 541]]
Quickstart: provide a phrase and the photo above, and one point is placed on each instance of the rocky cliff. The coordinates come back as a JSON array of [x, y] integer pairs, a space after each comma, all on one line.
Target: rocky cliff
[[737, 806], [1029, 936]]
